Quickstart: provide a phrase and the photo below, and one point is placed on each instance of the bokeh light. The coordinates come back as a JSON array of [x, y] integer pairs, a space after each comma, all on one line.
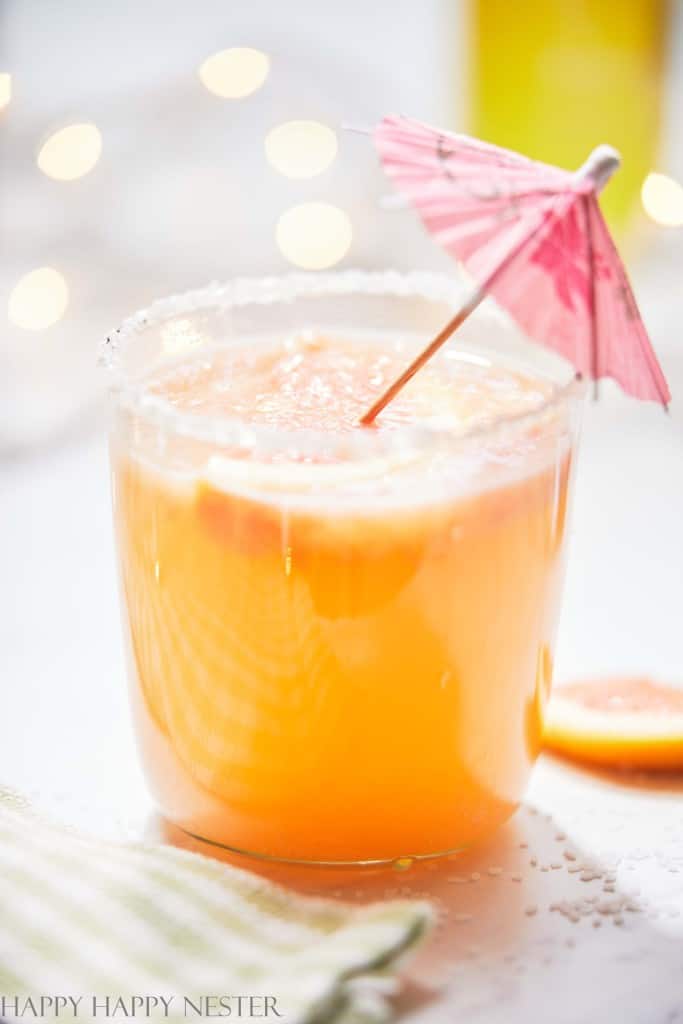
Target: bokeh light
[[301, 149], [662, 199], [38, 300], [235, 73], [5, 88], [178, 335], [70, 152], [314, 236]]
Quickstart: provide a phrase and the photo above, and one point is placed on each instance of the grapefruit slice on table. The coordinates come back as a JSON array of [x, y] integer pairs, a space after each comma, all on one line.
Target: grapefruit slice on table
[[628, 722]]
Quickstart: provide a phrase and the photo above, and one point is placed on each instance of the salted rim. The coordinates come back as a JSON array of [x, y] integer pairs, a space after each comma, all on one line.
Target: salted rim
[[132, 395]]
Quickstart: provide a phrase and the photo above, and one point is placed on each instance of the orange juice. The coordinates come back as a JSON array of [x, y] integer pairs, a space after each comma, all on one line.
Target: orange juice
[[341, 638]]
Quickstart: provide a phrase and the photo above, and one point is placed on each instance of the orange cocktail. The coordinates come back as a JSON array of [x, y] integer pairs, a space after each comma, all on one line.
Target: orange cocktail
[[341, 638]]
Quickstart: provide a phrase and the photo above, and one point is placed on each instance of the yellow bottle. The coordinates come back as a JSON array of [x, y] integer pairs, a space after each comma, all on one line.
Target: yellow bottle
[[555, 79]]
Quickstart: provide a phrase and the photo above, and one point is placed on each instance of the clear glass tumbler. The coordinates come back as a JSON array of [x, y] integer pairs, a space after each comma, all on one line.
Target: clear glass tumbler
[[345, 661]]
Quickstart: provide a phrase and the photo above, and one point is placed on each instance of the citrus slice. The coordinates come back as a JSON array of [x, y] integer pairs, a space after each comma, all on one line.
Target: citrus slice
[[254, 476], [632, 722]]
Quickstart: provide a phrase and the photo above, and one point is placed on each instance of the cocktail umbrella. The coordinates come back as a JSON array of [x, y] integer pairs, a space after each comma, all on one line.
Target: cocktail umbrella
[[534, 237]]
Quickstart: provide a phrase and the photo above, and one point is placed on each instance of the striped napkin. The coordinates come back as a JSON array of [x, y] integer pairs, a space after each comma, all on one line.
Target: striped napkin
[[146, 932]]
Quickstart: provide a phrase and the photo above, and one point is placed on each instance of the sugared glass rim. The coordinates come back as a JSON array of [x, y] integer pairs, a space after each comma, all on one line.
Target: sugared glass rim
[[133, 396]]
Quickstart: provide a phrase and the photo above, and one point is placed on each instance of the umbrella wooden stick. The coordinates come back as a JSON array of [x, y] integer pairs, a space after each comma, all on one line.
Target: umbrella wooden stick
[[476, 296], [468, 307]]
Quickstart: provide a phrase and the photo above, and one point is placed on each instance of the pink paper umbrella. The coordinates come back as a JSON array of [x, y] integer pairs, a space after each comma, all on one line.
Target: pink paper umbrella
[[533, 236]]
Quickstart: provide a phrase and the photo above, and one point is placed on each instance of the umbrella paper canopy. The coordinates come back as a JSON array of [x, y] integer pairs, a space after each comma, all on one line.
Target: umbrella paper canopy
[[533, 236]]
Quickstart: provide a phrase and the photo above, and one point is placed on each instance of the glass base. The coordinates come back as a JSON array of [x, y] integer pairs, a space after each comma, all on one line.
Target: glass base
[[400, 863]]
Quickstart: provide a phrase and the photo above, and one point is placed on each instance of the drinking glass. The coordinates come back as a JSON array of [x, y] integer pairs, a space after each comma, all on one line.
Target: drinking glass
[[345, 659]]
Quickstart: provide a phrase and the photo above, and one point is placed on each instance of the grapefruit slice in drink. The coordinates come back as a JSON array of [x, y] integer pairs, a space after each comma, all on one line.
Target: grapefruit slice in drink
[[627, 722]]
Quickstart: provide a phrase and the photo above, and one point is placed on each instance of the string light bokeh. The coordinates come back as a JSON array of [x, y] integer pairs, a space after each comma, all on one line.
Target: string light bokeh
[[234, 73], [314, 236], [662, 199], [179, 335], [5, 88], [71, 152], [301, 149], [38, 300]]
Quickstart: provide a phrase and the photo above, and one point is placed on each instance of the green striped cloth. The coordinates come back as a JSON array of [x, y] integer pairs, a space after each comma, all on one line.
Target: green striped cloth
[[106, 925]]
